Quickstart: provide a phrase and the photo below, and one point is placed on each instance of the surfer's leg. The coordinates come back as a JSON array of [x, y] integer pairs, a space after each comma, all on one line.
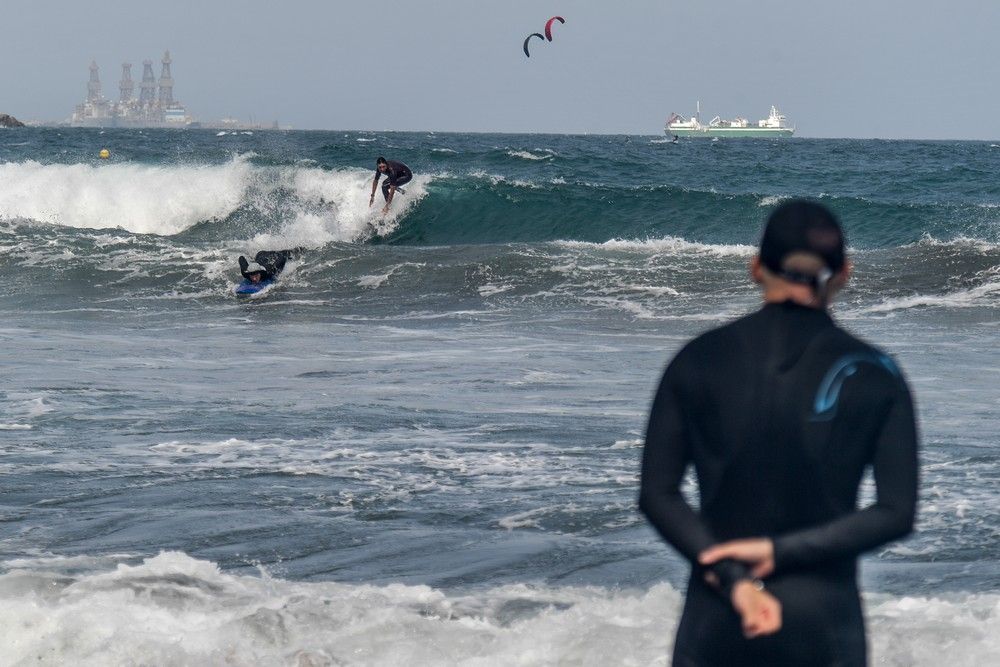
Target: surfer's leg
[[385, 189], [403, 181]]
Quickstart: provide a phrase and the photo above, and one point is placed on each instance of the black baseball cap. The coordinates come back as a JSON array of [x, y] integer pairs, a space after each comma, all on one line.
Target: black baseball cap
[[800, 225]]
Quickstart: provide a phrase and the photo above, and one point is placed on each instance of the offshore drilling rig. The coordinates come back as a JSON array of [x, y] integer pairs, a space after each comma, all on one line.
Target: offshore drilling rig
[[155, 106]]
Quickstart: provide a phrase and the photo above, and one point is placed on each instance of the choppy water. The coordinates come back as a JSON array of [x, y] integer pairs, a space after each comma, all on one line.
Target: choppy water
[[422, 447]]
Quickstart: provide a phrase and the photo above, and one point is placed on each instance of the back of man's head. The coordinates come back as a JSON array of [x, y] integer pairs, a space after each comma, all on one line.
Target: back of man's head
[[802, 230]]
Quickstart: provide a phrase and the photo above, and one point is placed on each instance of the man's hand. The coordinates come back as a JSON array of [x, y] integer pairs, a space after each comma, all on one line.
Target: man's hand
[[385, 209], [760, 612], [757, 552], [371, 200]]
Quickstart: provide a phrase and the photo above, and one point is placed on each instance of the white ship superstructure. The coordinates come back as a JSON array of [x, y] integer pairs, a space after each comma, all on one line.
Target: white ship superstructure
[[773, 126]]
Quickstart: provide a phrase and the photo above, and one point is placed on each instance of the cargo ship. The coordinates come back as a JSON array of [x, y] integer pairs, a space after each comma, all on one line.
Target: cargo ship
[[773, 126]]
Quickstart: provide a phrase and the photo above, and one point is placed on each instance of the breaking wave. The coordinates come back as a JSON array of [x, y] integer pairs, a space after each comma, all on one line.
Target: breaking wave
[[304, 205], [173, 609]]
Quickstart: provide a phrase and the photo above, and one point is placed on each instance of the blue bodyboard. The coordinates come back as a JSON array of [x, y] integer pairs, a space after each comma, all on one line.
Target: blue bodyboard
[[247, 288]]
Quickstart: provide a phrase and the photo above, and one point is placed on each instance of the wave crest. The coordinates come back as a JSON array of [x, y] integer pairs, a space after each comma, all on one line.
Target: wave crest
[[299, 205], [144, 199]]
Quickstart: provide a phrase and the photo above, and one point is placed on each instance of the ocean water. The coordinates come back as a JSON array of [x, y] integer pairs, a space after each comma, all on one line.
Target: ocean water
[[422, 446]]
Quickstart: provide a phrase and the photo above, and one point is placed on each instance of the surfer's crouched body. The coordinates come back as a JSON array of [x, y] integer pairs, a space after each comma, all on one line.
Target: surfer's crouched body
[[396, 174], [267, 264]]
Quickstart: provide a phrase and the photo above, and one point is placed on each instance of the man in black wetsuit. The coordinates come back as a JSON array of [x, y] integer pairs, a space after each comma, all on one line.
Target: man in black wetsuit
[[396, 173], [269, 263], [780, 413]]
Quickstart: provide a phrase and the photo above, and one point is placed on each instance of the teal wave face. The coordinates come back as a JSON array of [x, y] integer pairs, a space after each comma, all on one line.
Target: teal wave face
[[473, 189], [484, 210], [498, 188]]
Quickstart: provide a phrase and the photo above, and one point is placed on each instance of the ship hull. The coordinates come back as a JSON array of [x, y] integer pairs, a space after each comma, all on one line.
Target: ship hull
[[733, 132]]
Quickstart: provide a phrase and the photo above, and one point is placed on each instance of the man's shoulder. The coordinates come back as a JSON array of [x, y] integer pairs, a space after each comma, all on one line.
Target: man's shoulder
[[847, 353], [733, 336], [709, 343], [732, 328], [840, 340]]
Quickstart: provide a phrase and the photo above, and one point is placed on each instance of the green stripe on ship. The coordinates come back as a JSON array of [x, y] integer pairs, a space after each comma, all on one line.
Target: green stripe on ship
[[758, 132]]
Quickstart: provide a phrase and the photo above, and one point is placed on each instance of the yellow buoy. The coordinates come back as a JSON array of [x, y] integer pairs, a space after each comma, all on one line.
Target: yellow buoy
[[105, 153]]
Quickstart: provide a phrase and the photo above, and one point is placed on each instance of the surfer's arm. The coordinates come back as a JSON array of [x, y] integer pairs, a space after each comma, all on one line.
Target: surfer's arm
[[244, 264], [374, 188], [665, 458]]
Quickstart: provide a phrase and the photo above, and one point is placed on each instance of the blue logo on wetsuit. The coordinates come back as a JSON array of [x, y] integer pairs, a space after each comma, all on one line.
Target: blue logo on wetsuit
[[829, 389]]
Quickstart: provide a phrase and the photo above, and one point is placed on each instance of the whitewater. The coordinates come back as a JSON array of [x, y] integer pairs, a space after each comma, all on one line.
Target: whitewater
[[422, 447]]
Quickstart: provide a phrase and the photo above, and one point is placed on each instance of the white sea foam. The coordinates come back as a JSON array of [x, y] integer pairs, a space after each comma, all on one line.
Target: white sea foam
[[632, 443], [386, 464], [984, 295], [146, 199], [633, 308], [33, 407], [527, 155], [961, 630], [496, 179], [175, 610], [525, 519], [771, 200], [172, 609], [669, 244], [964, 242], [24, 409], [374, 281], [493, 289]]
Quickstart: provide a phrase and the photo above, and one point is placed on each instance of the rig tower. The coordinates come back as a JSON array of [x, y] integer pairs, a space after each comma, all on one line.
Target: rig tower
[[127, 86], [94, 85], [147, 89], [166, 83]]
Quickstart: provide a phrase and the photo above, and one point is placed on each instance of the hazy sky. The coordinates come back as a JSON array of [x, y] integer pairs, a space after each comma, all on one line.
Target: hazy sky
[[851, 68]]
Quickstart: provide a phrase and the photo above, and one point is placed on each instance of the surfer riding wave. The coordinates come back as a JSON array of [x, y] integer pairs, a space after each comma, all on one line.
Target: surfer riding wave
[[396, 174]]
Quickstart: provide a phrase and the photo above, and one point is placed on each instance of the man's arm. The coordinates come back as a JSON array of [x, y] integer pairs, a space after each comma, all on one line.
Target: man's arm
[[892, 515], [371, 199], [665, 457]]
